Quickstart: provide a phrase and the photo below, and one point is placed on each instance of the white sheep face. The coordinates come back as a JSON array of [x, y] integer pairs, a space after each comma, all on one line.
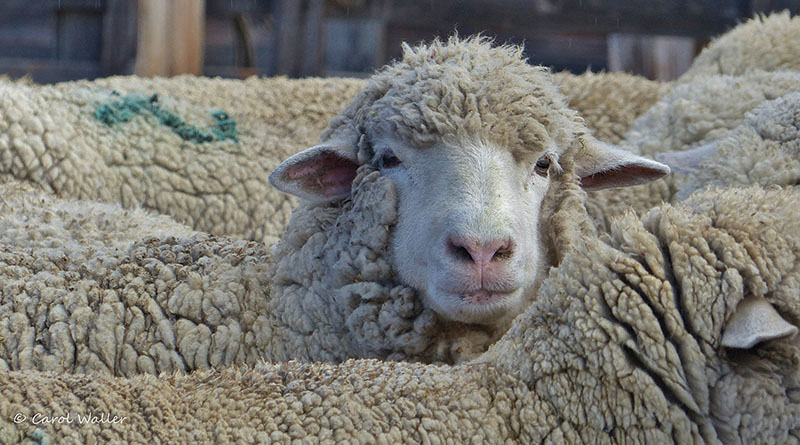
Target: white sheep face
[[468, 233]]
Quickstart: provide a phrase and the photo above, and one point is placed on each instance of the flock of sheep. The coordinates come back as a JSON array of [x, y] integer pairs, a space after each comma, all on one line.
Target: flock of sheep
[[454, 272]]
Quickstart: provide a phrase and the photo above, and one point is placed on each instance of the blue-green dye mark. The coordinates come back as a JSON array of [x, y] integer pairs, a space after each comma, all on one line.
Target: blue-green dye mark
[[39, 436], [132, 105]]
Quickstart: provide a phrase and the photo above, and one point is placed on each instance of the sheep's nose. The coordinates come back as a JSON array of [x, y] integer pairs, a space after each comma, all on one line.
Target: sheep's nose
[[480, 253]]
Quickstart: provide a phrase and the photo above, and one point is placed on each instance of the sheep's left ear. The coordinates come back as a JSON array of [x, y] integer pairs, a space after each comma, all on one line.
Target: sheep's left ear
[[323, 173], [601, 166]]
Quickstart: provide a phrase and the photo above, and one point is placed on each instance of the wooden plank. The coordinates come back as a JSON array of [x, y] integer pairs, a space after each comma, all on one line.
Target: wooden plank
[[240, 38], [766, 6], [153, 52], [220, 41], [224, 8], [655, 57], [75, 5], [119, 37], [48, 71], [699, 17], [287, 27], [351, 45], [313, 40], [562, 51], [27, 29], [170, 37], [187, 36], [80, 35]]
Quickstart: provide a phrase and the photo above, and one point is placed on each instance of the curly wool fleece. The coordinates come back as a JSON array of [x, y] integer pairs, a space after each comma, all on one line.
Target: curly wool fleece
[[767, 43], [463, 91], [764, 150], [700, 111], [333, 288], [82, 141], [622, 347], [436, 93], [330, 295], [94, 288], [168, 145]]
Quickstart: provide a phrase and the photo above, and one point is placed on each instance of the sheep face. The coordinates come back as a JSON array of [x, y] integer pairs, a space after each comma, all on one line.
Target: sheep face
[[468, 233], [470, 216], [472, 155]]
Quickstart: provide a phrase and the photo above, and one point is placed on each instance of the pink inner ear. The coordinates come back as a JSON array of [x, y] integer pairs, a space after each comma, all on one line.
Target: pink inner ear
[[327, 174], [621, 177]]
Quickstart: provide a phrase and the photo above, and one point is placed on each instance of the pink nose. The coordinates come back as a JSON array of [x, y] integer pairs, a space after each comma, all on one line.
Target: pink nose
[[480, 253]]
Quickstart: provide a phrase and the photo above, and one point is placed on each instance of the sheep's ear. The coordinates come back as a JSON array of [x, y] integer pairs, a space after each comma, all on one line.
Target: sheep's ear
[[319, 174], [687, 161], [755, 321], [601, 165]]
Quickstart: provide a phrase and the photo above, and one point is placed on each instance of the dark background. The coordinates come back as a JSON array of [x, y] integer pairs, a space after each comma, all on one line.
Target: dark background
[[57, 40]]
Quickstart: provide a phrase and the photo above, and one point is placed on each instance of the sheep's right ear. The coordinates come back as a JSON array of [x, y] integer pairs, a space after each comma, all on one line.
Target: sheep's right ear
[[319, 174]]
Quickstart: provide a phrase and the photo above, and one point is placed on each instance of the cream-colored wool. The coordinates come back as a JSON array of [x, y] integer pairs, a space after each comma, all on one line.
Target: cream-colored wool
[[50, 135], [755, 62], [609, 103], [94, 288], [463, 91], [622, 347], [693, 113], [766, 43], [705, 109], [436, 94], [331, 293], [764, 150]]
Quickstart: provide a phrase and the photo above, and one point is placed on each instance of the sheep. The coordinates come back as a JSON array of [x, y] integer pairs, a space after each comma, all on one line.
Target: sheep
[[691, 114], [625, 344], [283, 115], [335, 286], [474, 163], [73, 139], [764, 150], [766, 43], [197, 149], [753, 63]]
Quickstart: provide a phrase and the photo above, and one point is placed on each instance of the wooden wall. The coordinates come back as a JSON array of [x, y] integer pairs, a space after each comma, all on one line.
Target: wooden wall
[[54, 40]]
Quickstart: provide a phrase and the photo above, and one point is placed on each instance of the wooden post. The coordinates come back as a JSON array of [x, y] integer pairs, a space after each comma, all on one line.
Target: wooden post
[[312, 45], [119, 37], [655, 57], [288, 38], [171, 37]]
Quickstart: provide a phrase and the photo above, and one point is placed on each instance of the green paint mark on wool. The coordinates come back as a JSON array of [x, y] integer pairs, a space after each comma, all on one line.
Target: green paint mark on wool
[[132, 105]]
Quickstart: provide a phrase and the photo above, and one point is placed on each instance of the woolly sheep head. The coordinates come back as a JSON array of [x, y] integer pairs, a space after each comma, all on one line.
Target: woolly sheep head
[[472, 137]]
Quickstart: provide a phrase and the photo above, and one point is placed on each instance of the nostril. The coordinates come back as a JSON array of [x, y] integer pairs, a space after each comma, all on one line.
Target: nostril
[[480, 253], [459, 251], [504, 252]]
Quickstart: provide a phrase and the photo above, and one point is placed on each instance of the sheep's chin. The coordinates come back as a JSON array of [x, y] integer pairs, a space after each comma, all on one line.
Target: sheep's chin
[[489, 309]]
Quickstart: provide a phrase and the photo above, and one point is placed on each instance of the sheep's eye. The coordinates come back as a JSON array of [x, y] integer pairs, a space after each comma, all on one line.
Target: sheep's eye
[[388, 160], [542, 165]]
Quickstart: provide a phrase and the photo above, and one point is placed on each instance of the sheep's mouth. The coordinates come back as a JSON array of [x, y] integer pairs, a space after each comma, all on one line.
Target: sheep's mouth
[[480, 306], [484, 297]]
